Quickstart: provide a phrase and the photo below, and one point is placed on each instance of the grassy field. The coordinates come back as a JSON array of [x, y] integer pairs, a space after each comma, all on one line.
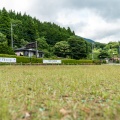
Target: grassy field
[[60, 92]]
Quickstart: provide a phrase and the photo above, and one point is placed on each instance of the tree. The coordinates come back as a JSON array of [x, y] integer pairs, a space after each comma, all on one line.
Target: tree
[[2, 38], [103, 55], [28, 29], [42, 44], [78, 47], [61, 48], [23, 42], [5, 49], [69, 31], [5, 24]]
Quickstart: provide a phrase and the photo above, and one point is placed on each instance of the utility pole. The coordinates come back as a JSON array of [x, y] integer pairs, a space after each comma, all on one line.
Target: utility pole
[[36, 49], [11, 35], [92, 51], [119, 51]]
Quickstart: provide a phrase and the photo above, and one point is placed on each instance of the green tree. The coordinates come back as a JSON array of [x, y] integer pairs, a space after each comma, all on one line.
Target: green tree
[[70, 32], [5, 24], [2, 38], [23, 42], [61, 48], [103, 55], [28, 29], [5, 49], [78, 47], [42, 44]]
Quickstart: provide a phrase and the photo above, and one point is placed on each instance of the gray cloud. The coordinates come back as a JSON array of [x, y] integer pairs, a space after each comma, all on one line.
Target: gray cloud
[[49, 8], [103, 34], [108, 9], [95, 19]]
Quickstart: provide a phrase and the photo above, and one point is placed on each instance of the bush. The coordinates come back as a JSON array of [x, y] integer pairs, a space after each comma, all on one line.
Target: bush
[[22, 59], [6, 55], [97, 62], [76, 62]]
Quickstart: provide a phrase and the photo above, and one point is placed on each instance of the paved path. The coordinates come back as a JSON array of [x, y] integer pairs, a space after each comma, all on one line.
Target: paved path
[[113, 64]]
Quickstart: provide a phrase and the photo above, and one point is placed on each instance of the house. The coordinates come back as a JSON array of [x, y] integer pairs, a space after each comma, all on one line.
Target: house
[[30, 52]]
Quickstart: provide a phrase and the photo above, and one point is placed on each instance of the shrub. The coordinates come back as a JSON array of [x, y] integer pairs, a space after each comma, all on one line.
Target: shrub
[[6, 55], [75, 62], [97, 62], [22, 59]]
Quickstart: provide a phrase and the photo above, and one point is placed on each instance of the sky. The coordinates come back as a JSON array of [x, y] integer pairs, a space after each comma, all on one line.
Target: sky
[[98, 20]]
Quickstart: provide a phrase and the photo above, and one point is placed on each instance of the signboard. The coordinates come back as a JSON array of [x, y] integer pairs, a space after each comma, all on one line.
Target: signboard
[[7, 60], [52, 61]]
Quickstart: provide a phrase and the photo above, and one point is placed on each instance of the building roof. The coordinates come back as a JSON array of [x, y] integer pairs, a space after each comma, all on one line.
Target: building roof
[[25, 49]]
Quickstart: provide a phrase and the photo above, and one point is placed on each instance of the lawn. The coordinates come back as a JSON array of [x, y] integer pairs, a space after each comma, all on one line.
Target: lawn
[[89, 92]]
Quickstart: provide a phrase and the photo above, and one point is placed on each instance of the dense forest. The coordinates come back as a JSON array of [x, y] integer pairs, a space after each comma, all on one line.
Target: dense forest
[[53, 40]]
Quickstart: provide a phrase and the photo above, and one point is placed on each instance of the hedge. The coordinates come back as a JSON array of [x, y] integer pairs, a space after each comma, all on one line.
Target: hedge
[[25, 60], [6, 55], [79, 62]]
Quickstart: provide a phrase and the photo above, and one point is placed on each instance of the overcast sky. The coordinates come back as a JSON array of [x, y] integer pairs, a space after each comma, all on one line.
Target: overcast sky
[[98, 20]]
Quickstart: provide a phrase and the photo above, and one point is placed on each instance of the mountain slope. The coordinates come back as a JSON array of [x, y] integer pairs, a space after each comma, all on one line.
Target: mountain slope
[[89, 40]]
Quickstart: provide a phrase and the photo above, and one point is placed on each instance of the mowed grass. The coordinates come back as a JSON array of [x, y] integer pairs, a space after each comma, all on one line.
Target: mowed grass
[[60, 92]]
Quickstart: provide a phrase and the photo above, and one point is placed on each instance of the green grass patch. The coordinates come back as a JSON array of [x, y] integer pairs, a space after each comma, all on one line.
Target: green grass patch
[[60, 92]]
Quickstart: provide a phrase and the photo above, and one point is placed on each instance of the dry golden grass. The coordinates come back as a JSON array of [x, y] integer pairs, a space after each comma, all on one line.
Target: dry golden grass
[[60, 92]]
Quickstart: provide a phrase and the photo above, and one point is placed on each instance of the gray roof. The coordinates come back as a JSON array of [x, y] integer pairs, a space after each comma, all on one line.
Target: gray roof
[[25, 49]]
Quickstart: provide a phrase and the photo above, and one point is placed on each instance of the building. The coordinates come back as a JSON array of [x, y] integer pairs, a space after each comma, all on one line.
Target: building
[[30, 52]]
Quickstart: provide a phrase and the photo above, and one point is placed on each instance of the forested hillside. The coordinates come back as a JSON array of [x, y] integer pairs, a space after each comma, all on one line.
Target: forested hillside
[[28, 29], [52, 39]]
